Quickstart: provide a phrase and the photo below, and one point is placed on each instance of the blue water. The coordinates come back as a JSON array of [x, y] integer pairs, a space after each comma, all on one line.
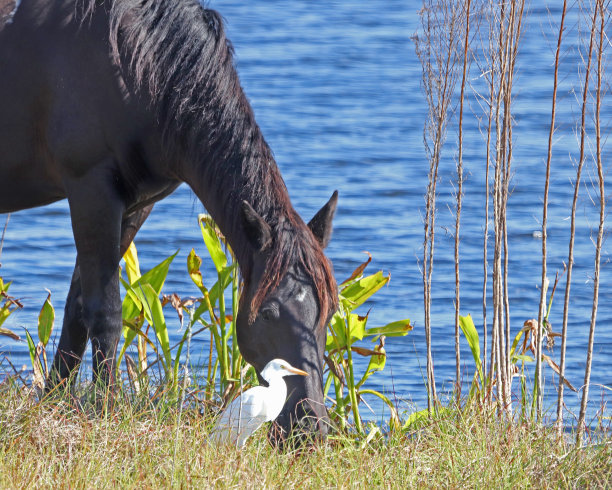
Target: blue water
[[336, 90]]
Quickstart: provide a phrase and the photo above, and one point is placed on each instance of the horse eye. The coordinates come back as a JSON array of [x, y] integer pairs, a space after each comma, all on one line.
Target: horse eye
[[269, 314]]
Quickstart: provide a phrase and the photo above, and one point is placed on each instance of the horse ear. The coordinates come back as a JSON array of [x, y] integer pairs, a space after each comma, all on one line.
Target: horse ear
[[321, 223], [257, 230]]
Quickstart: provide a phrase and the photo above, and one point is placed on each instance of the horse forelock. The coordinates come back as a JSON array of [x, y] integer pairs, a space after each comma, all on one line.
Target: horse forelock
[[294, 244]]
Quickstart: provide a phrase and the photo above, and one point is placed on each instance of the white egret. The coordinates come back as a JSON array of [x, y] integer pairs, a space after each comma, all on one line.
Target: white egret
[[255, 406]]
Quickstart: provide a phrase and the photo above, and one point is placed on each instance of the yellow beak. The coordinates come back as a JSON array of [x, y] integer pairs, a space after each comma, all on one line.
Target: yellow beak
[[293, 370]]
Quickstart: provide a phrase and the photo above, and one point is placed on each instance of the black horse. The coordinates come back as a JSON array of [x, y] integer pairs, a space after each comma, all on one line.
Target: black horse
[[111, 105]]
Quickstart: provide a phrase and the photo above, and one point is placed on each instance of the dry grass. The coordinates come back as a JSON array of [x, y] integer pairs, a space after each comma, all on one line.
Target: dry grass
[[54, 444]]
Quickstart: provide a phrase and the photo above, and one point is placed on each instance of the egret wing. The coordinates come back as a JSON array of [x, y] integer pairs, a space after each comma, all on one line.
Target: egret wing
[[241, 418]]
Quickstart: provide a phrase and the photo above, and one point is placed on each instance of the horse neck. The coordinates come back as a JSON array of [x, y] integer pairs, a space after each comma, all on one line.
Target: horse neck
[[249, 175]]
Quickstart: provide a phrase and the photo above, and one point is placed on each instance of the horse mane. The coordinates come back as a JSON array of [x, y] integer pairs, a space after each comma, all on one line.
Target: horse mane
[[177, 53], [7, 7]]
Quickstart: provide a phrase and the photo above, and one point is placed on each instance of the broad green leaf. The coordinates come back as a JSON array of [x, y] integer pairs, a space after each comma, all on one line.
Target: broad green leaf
[[398, 328], [378, 361], [471, 334], [130, 330], [133, 302], [356, 324], [157, 276], [155, 316], [137, 330], [336, 336], [213, 243], [358, 292], [131, 306], [46, 318], [132, 266]]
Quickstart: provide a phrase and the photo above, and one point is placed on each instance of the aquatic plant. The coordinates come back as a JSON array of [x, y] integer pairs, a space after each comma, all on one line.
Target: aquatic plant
[[227, 374], [345, 329]]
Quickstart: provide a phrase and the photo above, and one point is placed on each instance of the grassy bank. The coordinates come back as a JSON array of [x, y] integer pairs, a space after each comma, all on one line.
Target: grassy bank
[[54, 443]]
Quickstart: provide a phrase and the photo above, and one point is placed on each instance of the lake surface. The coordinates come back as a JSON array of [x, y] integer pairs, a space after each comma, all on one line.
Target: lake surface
[[336, 90]]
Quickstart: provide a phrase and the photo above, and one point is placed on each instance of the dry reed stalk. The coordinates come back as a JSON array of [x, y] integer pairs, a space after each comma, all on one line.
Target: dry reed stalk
[[543, 288], [602, 212], [509, 35], [491, 100], [581, 158], [505, 24], [437, 50], [459, 200]]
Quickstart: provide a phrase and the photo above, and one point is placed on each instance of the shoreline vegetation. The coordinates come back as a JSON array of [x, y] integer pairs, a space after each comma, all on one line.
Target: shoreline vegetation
[[60, 443], [493, 430]]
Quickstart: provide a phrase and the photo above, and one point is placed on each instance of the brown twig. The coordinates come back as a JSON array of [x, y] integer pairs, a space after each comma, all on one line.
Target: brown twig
[[459, 201], [602, 212], [570, 260], [543, 288], [437, 50]]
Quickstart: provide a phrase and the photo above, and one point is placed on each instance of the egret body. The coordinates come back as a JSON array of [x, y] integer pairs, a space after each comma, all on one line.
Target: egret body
[[255, 406]]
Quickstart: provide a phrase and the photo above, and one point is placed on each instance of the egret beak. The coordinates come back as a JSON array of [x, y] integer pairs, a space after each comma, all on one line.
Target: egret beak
[[293, 370]]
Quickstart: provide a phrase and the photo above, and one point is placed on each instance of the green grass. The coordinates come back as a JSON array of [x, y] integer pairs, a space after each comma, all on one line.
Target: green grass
[[54, 443]]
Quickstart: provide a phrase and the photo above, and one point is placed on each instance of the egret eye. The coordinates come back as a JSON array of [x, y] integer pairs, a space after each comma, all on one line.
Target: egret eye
[[269, 314]]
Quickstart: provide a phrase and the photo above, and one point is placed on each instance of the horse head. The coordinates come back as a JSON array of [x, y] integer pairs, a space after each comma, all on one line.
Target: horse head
[[288, 319]]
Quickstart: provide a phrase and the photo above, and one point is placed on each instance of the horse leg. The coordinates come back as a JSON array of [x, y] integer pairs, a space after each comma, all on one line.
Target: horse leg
[[73, 338]]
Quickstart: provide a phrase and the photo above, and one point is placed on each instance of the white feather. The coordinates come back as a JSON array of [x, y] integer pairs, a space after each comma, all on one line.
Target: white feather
[[260, 404]]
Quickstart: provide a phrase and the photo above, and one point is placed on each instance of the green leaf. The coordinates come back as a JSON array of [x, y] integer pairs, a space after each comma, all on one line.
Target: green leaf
[[471, 334], [225, 278], [157, 276], [131, 306], [356, 293], [522, 357], [132, 266], [31, 347], [336, 336], [193, 267], [46, 318], [4, 313], [517, 339], [155, 316], [131, 328], [398, 328], [356, 324], [416, 420], [213, 243], [394, 422]]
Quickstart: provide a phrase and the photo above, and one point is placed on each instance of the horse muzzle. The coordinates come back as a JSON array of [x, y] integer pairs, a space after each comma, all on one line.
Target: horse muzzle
[[303, 419]]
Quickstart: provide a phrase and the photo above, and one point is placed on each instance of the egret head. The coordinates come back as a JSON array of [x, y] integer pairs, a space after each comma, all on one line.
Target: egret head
[[279, 368], [286, 303]]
